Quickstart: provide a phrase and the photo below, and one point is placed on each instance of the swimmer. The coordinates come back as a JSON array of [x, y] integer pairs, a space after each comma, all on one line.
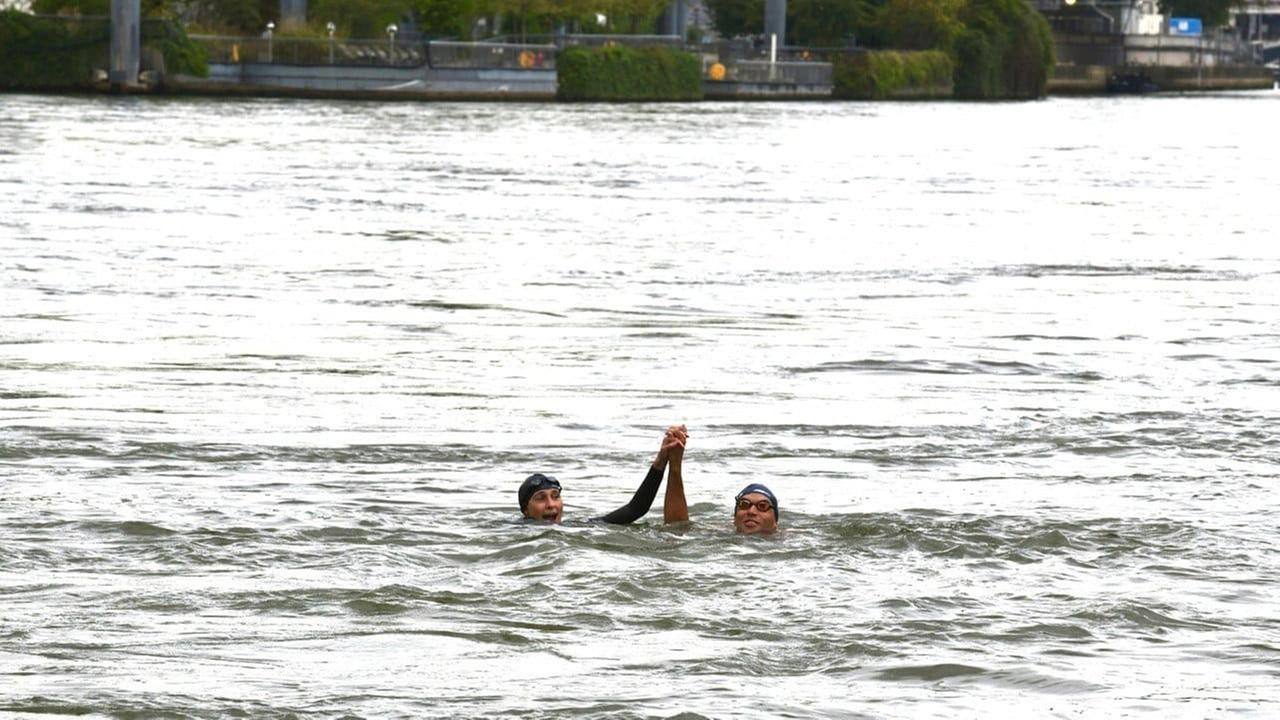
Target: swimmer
[[539, 494], [755, 510], [755, 506]]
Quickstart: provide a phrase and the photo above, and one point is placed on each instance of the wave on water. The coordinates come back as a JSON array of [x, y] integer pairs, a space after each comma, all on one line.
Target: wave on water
[[930, 673], [932, 367], [1176, 272]]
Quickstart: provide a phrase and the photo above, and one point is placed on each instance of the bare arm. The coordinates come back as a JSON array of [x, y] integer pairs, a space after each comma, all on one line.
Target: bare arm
[[674, 507], [639, 504]]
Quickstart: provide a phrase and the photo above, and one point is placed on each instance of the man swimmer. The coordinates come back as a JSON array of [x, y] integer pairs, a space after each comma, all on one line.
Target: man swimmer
[[539, 494], [755, 506], [755, 510]]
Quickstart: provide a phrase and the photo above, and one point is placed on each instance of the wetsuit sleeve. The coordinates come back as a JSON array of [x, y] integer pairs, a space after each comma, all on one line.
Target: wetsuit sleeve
[[640, 502]]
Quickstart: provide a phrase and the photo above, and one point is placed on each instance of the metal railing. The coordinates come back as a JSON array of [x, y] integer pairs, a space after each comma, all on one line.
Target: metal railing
[[436, 53], [307, 51], [573, 39], [627, 40], [512, 56], [763, 71], [741, 49]]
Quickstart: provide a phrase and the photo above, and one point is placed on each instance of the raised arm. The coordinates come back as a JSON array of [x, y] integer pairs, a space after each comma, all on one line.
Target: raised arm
[[640, 503], [674, 507]]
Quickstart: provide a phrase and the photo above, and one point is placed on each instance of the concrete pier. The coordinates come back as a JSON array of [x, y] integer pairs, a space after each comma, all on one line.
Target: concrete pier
[[675, 19], [126, 47], [775, 20], [293, 14]]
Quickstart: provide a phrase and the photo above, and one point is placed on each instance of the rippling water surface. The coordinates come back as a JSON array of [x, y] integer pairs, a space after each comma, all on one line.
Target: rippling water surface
[[271, 371]]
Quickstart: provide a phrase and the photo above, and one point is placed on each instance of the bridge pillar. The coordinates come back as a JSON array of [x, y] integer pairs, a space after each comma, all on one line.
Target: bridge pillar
[[126, 50], [293, 14], [675, 19], [775, 20]]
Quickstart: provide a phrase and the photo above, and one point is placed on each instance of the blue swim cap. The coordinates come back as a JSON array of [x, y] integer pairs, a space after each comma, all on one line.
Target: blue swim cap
[[533, 484], [758, 488]]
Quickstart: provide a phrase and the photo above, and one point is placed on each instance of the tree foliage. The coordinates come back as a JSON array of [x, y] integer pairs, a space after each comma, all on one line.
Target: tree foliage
[[920, 24], [358, 18], [445, 18], [1212, 13], [49, 52], [62, 52], [816, 23], [149, 8], [459, 18], [1004, 51], [733, 18], [828, 23]]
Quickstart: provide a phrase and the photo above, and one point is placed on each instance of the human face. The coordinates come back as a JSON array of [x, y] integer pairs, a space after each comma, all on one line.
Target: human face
[[751, 520], [545, 505]]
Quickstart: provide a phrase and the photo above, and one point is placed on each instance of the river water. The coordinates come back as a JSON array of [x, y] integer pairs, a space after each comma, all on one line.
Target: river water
[[271, 372]]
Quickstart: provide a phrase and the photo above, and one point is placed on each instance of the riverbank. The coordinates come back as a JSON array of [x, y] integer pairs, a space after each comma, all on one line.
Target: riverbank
[[504, 85], [501, 86], [745, 80], [173, 63]]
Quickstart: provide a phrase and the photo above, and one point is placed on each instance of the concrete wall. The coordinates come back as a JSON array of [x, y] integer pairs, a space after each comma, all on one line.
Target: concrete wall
[[439, 83], [764, 91], [1114, 49], [364, 81], [1175, 51], [1221, 77], [1079, 80], [1092, 79]]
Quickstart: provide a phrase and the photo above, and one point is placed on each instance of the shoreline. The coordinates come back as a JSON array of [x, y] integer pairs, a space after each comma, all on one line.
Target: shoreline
[[424, 84]]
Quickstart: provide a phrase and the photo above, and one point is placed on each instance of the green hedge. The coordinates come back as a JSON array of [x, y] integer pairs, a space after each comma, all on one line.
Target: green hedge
[[1004, 52], [40, 52], [61, 53], [627, 73], [880, 74]]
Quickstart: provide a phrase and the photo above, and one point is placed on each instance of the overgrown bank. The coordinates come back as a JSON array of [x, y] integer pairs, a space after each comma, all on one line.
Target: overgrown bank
[[627, 74], [890, 74], [56, 53], [1004, 52]]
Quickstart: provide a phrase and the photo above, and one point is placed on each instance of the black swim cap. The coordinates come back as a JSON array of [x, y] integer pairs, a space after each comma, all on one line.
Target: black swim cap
[[758, 488], [533, 484]]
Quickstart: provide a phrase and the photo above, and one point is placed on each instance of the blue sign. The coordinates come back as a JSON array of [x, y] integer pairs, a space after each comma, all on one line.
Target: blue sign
[[1184, 26]]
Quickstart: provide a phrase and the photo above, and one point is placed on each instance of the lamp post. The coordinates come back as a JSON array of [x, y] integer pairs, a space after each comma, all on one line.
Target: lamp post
[[391, 42], [271, 29], [330, 27]]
